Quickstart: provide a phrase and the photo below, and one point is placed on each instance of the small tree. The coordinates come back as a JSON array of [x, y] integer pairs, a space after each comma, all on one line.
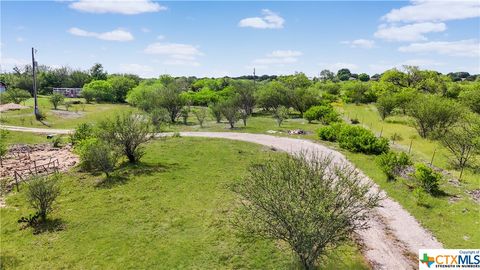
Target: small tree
[[128, 132], [230, 110], [82, 131], [56, 99], [216, 110], [429, 179], [201, 115], [385, 105], [306, 200], [42, 191], [159, 117], [67, 105], [280, 114], [463, 141], [184, 114]]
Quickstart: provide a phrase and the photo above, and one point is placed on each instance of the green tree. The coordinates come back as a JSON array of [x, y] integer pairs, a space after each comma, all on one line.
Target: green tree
[[201, 115], [434, 115], [56, 99], [385, 105], [280, 114], [272, 95], [327, 75], [343, 74], [102, 91], [364, 77], [306, 200], [98, 156], [121, 85], [128, 132], [97, 72], [171, 99], [230, 110], [471, 98]]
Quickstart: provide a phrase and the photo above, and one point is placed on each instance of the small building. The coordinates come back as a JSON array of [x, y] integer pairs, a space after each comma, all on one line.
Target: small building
[[68, 92], [3, 87]]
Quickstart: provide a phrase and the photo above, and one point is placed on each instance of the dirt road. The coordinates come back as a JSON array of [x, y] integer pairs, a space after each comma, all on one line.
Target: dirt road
[[394, 236]]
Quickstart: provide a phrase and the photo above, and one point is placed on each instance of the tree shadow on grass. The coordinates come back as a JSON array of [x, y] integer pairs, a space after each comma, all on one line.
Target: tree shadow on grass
[[49, 225], [112, 181], [7, 261]]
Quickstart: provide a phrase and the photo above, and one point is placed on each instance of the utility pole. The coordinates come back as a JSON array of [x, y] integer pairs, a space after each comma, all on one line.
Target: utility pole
[[34, 68]]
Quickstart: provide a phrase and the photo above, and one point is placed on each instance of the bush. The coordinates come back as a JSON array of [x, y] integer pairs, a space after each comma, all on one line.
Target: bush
[[56, 99], [280, 114], [128, 132], [330, 132], [421, 197], [100, 90], [201, 115], [42, 191], [307, 201], [82, 131], [392, 164], [359, 139], [326, 114], [97, 156], [159, 117], [429, 179], [216, 110], [57, 141], [15, 95]]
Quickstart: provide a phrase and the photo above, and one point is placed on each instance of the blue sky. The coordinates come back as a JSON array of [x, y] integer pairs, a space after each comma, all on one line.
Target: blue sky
[[231, 38]]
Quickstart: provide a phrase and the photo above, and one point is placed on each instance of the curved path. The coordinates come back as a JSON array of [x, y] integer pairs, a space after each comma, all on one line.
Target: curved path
[[394, 236]]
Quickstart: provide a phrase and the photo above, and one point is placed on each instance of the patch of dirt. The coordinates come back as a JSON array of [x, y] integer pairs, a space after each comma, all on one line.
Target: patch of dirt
[[475, 195], [11, 107], [67, 114], [26, 160]]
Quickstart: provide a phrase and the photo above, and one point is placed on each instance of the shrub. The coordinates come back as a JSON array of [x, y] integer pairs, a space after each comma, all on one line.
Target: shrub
[[216, 110], [56, 141], [159, 117], [82, 131], [15, 95], [429, 179], [420, 197], [128, 132], [359, 139], [201, 115], [97, 156], [100, 90], [42, 191], [280, 114], [307, 201], [184, 114], [56, 99], [392, 164], [230, 111], [330, 132], [326, 114]]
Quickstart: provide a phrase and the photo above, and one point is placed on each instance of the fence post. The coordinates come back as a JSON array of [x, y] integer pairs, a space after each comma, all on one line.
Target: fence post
[[410, 147], [433, 156], [16, 181]]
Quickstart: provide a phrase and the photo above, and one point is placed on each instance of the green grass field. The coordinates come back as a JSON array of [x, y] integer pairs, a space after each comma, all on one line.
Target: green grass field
[[167, 213], [61, 118], [444, 214]]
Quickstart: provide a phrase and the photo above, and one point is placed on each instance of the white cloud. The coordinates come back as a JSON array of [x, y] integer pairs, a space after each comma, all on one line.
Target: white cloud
[[410, 32], [467, 48], [178, 54], [172, 49], [277, 58], [179, 62], [115, 35], [139, 69], [128, 7], [145, 30], [285, 53], [360, 43], [8, 63], [339, 65], [431, 10], [270, 20]]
